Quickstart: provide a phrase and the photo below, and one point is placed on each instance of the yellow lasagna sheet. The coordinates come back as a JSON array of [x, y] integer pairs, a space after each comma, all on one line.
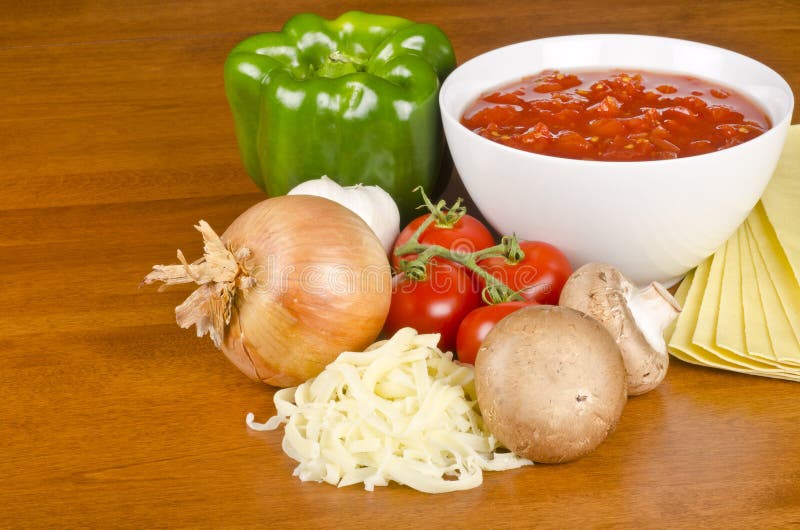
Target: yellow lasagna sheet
[[779, 327], [781, 201], [710, 318], [730, 318], [756, 332], [741, 307]]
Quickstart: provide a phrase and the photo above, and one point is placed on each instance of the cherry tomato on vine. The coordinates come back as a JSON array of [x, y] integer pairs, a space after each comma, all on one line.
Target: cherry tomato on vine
[[437, 304], [468, 234], [478, 323], [539, 276]]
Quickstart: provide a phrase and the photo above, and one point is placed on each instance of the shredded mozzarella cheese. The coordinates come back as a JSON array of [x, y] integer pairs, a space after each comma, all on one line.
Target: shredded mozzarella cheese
[[403, 411]]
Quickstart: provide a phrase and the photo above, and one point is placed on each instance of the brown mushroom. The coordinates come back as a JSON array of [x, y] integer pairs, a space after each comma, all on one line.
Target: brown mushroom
[[636, 319], [550, 383]]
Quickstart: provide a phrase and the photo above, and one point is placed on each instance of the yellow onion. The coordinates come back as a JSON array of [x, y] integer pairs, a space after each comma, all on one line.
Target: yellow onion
[[293, 282]]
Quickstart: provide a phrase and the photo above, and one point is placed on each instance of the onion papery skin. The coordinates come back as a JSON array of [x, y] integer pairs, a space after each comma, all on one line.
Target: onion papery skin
[[322, 286]]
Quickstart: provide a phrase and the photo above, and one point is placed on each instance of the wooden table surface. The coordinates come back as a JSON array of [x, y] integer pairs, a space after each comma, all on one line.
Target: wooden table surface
[[115, 137]]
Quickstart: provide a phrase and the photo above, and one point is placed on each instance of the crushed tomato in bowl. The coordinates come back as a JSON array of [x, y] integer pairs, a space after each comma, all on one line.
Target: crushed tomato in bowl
[[616, 116]]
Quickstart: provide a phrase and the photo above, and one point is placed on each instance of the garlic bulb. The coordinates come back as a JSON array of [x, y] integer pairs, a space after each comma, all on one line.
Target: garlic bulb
[[374, 205]]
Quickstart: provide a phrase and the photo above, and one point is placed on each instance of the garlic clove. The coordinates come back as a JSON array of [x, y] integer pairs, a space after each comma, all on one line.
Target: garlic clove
[[372, 203]]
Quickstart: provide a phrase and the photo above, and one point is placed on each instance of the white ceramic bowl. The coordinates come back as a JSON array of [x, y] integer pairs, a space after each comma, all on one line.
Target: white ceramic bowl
[[653, 220]]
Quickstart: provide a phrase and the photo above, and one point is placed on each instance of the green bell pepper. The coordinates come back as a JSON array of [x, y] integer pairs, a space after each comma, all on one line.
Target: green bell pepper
[[355, 98]]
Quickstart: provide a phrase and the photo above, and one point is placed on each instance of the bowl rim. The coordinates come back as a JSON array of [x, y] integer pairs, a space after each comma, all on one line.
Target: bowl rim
[[776, 128]]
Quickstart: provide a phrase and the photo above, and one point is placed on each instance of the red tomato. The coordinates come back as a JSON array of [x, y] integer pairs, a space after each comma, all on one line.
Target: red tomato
[[478, 324], [539, 276], [468, 234], [435, 305]]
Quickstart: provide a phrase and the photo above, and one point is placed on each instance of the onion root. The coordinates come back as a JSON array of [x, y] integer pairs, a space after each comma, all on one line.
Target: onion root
[[219, 273]]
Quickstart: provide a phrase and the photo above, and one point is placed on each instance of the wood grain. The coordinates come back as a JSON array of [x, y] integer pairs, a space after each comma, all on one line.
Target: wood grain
[[115, 138]]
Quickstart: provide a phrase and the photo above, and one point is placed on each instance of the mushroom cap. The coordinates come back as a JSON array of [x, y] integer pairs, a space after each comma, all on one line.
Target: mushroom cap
[[603, 292], [550, 383]]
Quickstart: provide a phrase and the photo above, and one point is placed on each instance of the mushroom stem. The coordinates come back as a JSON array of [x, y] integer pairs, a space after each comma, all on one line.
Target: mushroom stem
[[654, 308], [635, 318]]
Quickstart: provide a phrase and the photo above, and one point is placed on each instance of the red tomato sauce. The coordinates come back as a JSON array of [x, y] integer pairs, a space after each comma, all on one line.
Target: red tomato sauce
[[616, 116]]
